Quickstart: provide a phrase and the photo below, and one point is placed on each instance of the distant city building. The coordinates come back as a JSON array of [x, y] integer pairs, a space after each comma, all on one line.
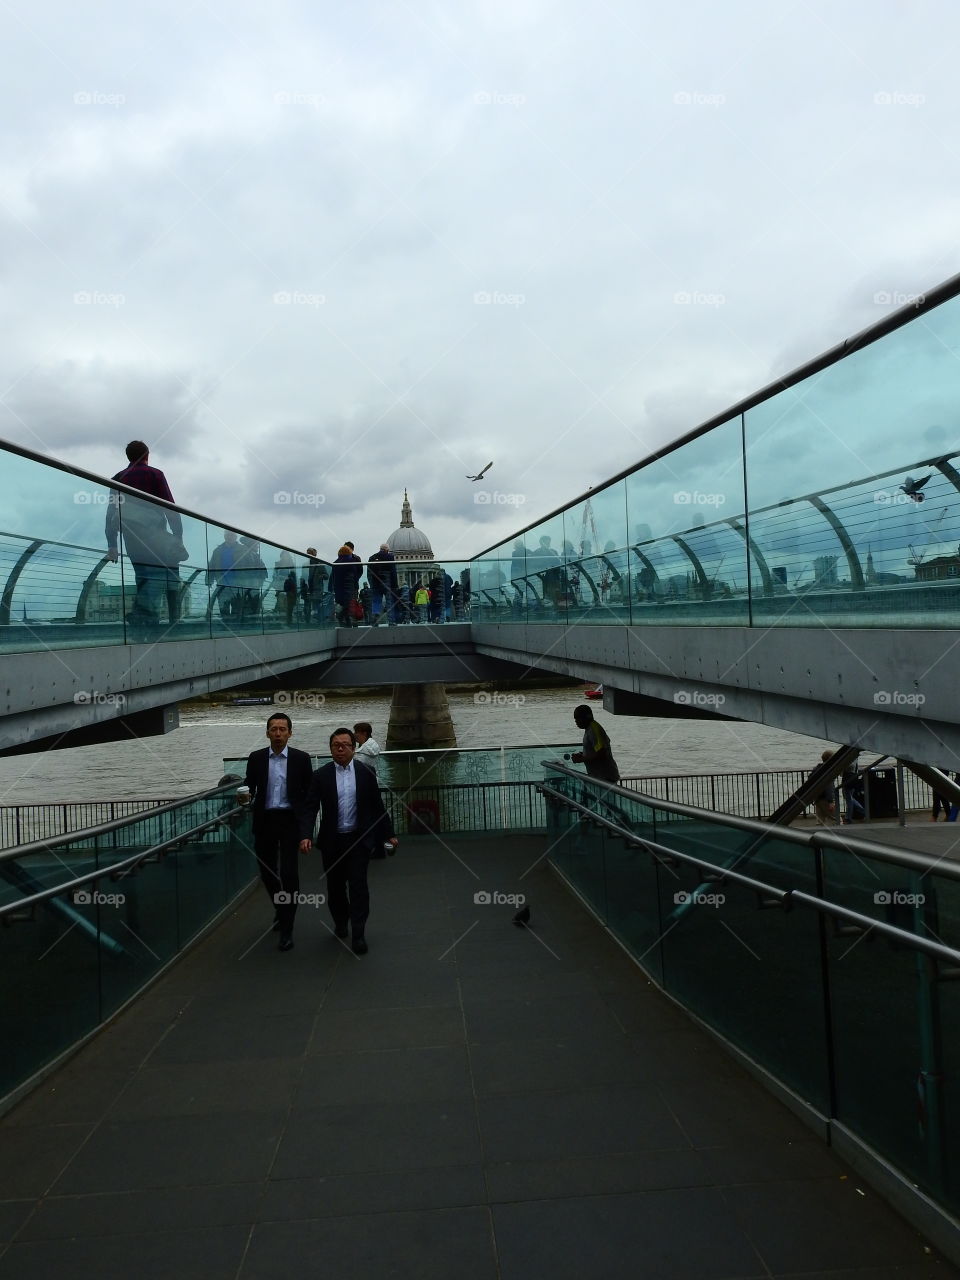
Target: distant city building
[[938, 568], [825, 570]]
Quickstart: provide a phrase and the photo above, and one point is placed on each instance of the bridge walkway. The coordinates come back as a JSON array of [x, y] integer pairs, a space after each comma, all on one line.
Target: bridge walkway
[[469, 1099]]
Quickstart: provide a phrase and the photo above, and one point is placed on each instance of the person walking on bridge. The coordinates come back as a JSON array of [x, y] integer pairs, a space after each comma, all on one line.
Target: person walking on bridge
[[152, 537]]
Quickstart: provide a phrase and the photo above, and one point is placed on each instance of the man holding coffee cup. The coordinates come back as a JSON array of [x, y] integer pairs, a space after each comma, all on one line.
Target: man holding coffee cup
[[279, 778]]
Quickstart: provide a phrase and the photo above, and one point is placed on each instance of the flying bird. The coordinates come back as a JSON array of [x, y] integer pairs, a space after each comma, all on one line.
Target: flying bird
[[481, 474], [912, 488], [522, 918]]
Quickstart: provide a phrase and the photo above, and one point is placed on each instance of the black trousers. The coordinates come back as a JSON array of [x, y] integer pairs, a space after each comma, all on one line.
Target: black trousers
[[276, 843], [345, 863]]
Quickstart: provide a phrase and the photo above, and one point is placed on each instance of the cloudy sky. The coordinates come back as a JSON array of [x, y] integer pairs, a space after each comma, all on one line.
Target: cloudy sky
[[323, 251]]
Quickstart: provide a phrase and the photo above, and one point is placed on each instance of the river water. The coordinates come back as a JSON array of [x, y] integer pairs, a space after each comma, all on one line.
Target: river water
[[190, 759]]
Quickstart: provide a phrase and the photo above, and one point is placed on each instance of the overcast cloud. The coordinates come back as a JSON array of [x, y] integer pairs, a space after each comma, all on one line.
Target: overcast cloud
[[335, 250]]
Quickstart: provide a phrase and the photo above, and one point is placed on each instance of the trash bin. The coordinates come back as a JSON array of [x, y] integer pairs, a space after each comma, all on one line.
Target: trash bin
[[881, 787]]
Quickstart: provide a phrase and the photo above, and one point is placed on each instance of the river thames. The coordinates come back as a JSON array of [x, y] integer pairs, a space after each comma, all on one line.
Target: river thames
[[190, 759]]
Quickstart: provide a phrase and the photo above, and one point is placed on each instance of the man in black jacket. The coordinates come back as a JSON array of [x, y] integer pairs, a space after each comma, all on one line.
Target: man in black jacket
[[382, 576], [353, 824], [279, 778]]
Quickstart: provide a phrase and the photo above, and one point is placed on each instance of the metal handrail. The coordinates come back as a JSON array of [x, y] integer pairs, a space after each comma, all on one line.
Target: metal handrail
[[103, 828], [786, 897], [117, 870], [912, 860]]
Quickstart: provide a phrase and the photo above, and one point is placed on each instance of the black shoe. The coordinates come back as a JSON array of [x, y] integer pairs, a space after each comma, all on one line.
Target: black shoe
[[340, 931], [286, 942], [360, 946]]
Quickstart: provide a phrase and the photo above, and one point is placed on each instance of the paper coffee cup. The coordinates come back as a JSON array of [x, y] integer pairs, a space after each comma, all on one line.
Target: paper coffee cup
[[243, 795]]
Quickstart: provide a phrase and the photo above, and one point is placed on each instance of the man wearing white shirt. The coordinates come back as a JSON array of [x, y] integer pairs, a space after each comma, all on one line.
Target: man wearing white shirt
[[279, 778], [368, 748], [353, 824]]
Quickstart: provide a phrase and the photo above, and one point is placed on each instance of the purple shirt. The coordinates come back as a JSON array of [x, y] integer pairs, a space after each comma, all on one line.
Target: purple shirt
[[139, 475]]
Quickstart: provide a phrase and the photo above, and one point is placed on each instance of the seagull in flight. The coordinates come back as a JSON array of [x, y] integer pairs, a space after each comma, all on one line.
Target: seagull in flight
[[481, 474], [912, 488]]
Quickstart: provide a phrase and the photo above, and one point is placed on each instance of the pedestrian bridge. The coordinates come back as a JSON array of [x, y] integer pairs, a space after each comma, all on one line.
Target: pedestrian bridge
[[471, 1098], [793, 561]]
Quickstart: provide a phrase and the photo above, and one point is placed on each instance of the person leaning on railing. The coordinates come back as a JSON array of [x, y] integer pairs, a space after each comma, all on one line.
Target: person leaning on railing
[[597, 754], [825, 804]]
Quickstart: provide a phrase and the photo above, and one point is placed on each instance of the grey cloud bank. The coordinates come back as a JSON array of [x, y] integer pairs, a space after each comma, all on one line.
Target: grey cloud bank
[[339, 252]]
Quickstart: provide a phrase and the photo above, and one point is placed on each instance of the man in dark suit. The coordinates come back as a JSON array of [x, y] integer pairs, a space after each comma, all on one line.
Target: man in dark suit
[[279, 779], [353, 826]]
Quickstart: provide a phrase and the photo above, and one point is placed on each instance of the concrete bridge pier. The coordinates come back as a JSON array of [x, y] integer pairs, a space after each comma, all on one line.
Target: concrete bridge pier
[[420, 717]]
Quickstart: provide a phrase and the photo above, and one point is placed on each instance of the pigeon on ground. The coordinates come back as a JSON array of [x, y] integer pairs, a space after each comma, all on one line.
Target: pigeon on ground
[[522, 918], [481, 474], [912, 488]]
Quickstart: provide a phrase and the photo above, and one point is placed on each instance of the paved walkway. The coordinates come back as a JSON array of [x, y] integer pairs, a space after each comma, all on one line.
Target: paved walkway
[[522, 1105]]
